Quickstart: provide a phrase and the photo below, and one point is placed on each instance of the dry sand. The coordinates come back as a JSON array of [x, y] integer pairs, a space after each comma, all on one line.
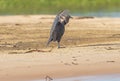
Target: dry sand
[[92, 46]]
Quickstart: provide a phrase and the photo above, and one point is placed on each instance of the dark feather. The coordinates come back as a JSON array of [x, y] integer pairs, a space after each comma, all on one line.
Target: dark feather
[[57, 29]]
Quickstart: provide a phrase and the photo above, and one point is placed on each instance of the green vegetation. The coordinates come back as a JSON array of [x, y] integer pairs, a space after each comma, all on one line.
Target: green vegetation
[[51, 6]]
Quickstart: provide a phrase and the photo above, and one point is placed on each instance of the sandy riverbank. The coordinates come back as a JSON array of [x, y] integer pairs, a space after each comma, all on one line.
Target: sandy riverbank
[[92, 46]]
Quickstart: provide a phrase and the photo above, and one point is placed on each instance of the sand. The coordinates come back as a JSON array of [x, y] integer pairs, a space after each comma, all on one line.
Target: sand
[[92, 46]]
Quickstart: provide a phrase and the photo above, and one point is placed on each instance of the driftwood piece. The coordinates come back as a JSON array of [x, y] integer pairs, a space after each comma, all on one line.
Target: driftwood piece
[[37, 50]]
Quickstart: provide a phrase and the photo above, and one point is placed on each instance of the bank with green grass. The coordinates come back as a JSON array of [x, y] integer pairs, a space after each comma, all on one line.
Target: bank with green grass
[[51, 6]]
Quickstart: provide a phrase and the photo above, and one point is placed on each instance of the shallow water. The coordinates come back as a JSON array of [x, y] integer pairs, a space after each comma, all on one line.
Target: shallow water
[[112, 77], [98, 14]]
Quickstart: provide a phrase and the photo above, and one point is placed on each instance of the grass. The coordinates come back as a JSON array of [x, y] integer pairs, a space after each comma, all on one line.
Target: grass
[[52, 6]]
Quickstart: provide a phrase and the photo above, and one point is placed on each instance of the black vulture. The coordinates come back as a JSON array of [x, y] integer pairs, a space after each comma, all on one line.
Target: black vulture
[[58, 27]]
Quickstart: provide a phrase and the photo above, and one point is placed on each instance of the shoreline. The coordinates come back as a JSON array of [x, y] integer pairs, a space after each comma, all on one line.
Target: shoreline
[[110, 77]]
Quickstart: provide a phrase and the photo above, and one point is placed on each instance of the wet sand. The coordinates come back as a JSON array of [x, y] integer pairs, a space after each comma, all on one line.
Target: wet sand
[[92, 46], [109, 77]]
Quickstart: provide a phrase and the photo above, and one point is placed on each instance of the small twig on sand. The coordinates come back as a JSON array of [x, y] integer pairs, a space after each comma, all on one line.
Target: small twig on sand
[[84, 17], [112, 61], [37, 50], [48, 78]]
